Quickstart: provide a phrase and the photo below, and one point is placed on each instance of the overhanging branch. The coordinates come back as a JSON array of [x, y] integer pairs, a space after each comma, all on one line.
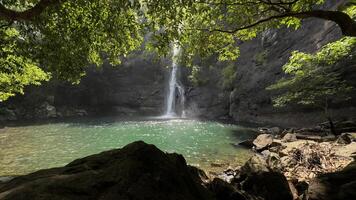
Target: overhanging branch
[[27, 15], [343, 20]]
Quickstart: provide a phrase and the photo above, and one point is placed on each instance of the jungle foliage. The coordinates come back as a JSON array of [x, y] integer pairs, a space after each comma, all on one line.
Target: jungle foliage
[[60, 38], [313, 79]]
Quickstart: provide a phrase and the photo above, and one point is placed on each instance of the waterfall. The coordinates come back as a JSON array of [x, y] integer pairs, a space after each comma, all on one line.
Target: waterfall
[[174, 85]]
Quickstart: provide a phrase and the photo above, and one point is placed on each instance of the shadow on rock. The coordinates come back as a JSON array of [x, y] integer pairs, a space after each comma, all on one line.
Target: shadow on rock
[[334, 186], [136, 172]]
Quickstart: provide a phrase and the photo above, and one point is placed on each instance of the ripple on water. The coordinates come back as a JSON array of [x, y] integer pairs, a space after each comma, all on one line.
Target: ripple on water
[[30, 148]]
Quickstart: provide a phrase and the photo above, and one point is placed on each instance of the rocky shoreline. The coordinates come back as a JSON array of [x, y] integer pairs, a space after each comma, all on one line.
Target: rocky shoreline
[[284, 167], [302, 158]]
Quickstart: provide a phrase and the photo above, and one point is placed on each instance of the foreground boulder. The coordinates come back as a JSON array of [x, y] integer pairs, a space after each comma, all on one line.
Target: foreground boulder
[[136, 172], [263, 141], [225, 191], [334, 186], [268, 185], [257, 179]]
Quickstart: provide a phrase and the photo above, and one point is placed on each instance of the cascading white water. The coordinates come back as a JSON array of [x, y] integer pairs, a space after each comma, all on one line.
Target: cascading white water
[[182, 98], [173, 86]]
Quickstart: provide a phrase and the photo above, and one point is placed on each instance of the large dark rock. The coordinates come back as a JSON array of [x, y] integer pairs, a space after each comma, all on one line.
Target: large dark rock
[[225, 191], [136, 172], [268, 185], [258, 179], [334, 186]]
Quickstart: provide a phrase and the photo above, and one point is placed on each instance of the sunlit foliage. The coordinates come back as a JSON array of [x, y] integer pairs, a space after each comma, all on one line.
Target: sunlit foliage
[[312, 78], [69, 36], [16, 70]]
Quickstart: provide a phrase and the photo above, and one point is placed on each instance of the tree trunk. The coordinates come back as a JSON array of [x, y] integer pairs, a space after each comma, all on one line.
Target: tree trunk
[[332, 127], [328, 117]]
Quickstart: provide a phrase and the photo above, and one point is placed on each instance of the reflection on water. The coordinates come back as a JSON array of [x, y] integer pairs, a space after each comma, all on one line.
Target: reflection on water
[[29, 148]]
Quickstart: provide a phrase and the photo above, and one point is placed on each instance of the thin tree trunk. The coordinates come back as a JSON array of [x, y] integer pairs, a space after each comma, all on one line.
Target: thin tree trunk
[[329, 118], [332, 126]]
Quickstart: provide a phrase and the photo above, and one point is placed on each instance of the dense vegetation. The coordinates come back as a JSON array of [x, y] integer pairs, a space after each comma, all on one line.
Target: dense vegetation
[[313, 79], [60, 38]]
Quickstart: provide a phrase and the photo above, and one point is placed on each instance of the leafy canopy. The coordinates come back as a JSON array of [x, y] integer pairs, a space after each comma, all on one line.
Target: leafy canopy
[[17, 70], [67, 36], [313, 79]]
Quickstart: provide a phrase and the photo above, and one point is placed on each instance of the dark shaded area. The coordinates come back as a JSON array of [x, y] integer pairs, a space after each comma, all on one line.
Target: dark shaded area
[[334, 186], [269, 185], [137, 171], [135, 88]]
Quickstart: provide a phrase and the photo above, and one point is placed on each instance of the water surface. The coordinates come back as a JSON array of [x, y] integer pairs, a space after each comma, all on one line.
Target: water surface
[[25, 149]]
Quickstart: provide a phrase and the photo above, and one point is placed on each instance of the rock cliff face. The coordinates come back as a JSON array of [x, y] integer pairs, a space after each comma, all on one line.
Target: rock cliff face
[[135, 88], [260, 65], [208, 99], [138, 87]]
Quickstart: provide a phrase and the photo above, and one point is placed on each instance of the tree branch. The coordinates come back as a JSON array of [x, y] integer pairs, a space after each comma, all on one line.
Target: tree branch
[[27, 15], [343, 20]]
